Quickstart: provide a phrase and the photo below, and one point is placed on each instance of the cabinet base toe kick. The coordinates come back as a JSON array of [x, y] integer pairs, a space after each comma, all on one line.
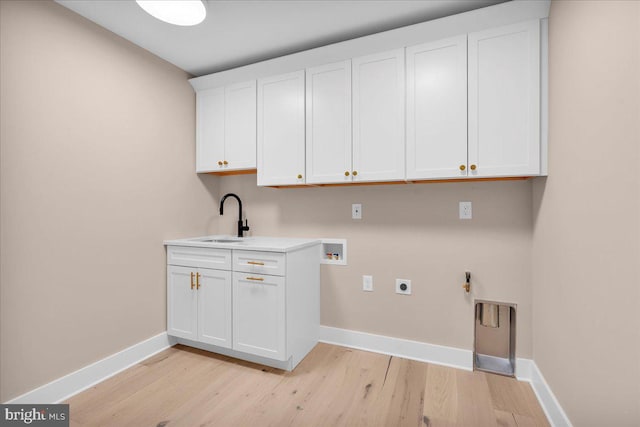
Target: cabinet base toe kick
[[285, 365]]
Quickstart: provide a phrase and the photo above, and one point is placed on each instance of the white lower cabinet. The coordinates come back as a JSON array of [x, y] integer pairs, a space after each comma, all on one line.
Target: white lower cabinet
[[214, 307], [259, 315], [255, 305], [199, 304]]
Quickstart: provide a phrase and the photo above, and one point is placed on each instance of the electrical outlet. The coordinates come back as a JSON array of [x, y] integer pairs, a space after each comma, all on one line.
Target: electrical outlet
[[367, 283], [403, 286], [356, 211], [465, 210]]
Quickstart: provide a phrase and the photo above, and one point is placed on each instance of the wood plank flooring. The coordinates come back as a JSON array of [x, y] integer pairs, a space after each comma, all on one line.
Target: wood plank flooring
[[333, 386]]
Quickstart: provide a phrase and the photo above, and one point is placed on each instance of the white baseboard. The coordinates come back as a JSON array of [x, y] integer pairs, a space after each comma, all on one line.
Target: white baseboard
[[414, 350], [550, 405], [526, 369], [75, 382]]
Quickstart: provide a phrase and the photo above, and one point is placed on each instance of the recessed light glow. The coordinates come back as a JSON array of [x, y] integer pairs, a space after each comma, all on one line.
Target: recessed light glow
[[177, 12]]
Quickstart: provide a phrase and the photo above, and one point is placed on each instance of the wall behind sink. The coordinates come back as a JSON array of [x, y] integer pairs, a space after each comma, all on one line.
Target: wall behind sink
[[97, 144], [410, 232]]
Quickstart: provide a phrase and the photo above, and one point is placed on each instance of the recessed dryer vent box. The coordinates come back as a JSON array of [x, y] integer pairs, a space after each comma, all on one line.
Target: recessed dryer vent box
[[494, 347]]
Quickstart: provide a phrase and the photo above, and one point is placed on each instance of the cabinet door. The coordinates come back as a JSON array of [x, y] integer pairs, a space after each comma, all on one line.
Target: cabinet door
[[214, 307], [504, 101], [259, 315], [281, 130], [240, 126], [378, 117], [182, 303], [210, 130], [437, 109], [328, 115]]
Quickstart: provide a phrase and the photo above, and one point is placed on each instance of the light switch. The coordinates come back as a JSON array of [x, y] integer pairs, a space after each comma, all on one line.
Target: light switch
[[465, 210], [367, 283]]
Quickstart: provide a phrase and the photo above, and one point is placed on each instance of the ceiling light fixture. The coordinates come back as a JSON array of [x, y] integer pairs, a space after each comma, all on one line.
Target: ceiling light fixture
[[177, 12]]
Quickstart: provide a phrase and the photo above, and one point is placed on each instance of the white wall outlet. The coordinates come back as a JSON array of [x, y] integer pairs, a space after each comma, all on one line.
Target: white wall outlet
[[403, 286], [367, 283], [356, 211], [465, 210]]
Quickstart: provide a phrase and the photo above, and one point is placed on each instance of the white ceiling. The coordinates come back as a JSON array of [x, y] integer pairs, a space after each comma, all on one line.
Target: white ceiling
[[237, 33]]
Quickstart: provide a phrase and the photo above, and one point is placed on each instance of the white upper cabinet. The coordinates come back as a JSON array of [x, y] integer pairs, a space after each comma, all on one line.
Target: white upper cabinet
[[378, 117], [328, 117], [472, 105], [281, 130], [504, 101], [437, 109], [226, 128], [240, 126], [210, 129]]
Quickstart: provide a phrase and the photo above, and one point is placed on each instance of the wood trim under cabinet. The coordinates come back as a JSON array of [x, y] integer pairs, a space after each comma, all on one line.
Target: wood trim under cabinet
[[430, 181], [236, 172]]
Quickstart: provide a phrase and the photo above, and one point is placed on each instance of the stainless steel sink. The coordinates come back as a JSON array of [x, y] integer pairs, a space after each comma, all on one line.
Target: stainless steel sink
[[225, 239]]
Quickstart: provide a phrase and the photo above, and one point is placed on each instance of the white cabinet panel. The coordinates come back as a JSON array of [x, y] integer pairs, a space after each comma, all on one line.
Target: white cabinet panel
[[504, 101], [328, 117], [181, 303], [281, 132], [259, 315], [214, 307], [226, 128], [240, 126], [437, 109], [210, 129], [378, 117]]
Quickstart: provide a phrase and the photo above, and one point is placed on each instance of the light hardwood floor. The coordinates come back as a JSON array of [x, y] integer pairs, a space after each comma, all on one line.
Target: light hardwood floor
[[333, 386]]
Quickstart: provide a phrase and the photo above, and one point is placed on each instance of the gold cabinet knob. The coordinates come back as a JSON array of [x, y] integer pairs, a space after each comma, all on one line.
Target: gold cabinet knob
[[355, 173], [225, 162], [473, 167], [219, 163], [462, 167], [346, 173], [299, 176]]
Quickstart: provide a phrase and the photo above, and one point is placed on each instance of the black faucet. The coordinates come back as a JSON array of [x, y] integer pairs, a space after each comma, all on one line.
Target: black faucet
[[241, 228]]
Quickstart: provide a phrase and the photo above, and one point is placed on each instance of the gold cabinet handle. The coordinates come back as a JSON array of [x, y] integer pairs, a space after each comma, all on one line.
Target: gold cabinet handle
[[257, 279], [219, 163], [355, 173], [225, 162], [473, 167], [197, 280], [299, 176], [255, 262], [462, 167], [346, 173], [192, 280]]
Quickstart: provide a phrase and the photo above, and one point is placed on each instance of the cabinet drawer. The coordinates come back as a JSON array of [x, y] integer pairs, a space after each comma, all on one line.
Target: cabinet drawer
[[259, 262], [219, 259]]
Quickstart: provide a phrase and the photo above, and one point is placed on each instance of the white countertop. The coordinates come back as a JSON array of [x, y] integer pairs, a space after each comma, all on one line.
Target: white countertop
[[269, 244]]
